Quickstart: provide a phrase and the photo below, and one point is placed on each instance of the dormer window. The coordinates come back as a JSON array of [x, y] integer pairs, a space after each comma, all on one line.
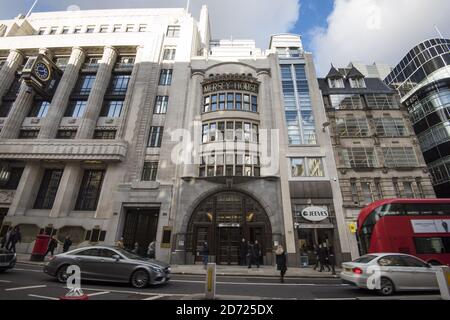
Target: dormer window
[[357, 82], [336, 83]]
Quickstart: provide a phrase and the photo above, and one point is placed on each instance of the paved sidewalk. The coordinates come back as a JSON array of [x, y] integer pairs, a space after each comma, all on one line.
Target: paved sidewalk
[[263, 271]]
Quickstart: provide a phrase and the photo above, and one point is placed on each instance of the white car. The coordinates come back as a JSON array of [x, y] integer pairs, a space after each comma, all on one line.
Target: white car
[[390, 272]]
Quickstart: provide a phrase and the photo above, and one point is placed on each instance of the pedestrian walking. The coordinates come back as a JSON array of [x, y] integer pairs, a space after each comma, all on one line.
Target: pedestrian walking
[[14, 238], [67, 243], [243, 250], [257, 251], [52, 245], [332, 260], [120, 244], [250, 254], [323, 257], [205, 254], [316, 253], [5, 239], [136, 248], [151, 250], [281, 262]]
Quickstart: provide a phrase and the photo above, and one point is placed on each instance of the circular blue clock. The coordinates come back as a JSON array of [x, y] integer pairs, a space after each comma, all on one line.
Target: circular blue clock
[[42, 71]]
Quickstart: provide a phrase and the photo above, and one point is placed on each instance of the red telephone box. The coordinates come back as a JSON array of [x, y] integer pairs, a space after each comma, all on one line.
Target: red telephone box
[[40, 247]]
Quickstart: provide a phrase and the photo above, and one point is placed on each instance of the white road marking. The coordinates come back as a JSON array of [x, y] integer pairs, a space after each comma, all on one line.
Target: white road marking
[[5, 281], [332, 299], [154, 298], [98, 293], [266, 284], [29, 270], [42, 297], [133, 292], [25, 288]]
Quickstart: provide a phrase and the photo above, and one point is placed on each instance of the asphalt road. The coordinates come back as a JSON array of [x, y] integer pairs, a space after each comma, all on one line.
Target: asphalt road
[[26, 282]]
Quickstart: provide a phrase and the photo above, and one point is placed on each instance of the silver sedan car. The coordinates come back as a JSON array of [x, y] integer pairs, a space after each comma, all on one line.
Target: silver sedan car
[[111, 264], [390, 272]]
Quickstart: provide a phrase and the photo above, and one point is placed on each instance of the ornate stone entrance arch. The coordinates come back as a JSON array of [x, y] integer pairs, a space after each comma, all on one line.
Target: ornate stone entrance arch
[[223, 219]]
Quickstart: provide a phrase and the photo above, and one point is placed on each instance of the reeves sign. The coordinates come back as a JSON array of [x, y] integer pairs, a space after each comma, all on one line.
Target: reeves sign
[[315, 214], [230, 85]]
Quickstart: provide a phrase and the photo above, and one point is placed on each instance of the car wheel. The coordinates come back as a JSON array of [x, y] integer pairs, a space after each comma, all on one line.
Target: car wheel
[[387, 287], [62, 275], [140, 278]]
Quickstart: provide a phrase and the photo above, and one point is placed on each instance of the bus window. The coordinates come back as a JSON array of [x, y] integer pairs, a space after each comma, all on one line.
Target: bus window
[[432, 245]]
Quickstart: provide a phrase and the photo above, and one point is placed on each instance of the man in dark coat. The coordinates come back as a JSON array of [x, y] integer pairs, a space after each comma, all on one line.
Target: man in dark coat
[[332, 260], [67, 244], [323, 257], [14, 238], [257, 251], [281, 262], [243, 249], [205, 253], [250, 254], [52, 246]]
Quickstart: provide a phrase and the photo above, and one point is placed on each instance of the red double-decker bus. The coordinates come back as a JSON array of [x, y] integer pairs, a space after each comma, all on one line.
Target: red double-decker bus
[[420, 227]]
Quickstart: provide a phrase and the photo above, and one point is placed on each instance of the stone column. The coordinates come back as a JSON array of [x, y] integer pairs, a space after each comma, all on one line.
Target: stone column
[[60, 100], [19, 111], [26, 190], [8, 71], [20, 108], [95, 101], [67, 191]]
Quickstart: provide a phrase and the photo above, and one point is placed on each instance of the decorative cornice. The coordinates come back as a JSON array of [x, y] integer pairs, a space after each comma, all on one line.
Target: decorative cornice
[[63, 150]]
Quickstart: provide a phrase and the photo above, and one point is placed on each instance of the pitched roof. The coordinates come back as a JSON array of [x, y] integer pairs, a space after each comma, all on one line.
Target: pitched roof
[[354, 73], [333, 73]]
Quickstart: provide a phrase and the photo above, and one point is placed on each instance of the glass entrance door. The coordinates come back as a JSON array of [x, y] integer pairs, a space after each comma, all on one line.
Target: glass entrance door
[[140, 227], [229, 239]]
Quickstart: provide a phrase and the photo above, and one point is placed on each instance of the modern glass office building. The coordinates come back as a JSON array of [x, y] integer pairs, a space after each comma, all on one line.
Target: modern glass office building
[[422, 78]]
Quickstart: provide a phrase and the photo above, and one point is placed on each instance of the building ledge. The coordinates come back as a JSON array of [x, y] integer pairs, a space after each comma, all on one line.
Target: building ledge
[[93, 150], [229, 179]]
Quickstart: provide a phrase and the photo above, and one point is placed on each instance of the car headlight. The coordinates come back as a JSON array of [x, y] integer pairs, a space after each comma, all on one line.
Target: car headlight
[[156, 269]]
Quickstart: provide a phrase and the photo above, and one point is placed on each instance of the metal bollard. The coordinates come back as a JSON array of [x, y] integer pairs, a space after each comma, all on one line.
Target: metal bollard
[[210, 285], [443, 278]]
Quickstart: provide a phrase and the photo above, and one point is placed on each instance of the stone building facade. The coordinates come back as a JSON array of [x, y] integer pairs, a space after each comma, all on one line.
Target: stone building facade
[[156, 133]]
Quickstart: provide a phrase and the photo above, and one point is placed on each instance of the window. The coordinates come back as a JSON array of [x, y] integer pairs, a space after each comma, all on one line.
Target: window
[[336, 83], [5, 108], [66, 134], [346, 102], [76, 109], [399, 157], [432, 245], [367, 192], [150, 171], [165, 78], [352, 127], [62, 62], [390, 127], [90, 189], [155, 139], [230, 131], [142, 28], [28, 134], [230, 101], [48, 189], [104, 29], [105, 134], [112, 109], [169, 54], [173, 31], [161, 104], [127, 60], [359, 157], [39, 109], [14, 178], [117, 28], [85, 84], [307, 167], [408, 190], [119, 84], [129, 28], [90, 29], [381, 102], [354, 191], [357, 83]]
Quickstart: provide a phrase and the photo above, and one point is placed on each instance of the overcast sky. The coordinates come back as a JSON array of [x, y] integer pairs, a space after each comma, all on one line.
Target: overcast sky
[[336, 31]]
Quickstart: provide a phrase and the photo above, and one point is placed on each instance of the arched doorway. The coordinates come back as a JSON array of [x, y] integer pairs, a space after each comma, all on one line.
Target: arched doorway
[[223, 220]]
